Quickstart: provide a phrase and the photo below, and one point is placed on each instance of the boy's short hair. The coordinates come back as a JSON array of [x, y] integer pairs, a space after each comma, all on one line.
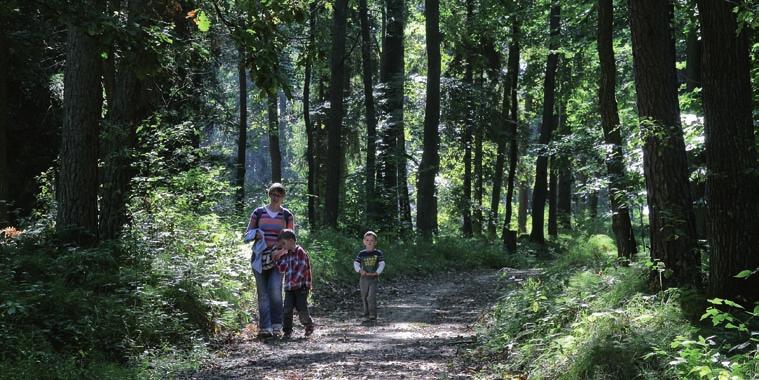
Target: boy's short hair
[[287, 234], [276, 187], [370, 233]]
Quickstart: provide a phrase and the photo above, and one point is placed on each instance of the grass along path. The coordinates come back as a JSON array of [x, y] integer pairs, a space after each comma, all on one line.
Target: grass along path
[[422, 326]]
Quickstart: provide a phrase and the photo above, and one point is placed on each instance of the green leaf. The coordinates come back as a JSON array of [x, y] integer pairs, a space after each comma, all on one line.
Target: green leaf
[[203, 22], [716, 301], [744, 274], [733, 304]]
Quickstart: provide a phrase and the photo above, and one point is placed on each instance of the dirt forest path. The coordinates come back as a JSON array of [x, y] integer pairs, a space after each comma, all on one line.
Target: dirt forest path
[[422, 326]]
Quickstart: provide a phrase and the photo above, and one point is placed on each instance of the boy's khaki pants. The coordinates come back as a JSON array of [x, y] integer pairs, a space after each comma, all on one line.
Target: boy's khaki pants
[[369, 296]]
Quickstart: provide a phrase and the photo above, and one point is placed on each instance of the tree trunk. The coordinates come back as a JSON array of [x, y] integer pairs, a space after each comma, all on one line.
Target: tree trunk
[[501, 137], [274, 152], [131, 105], [334, 153], [513, 71], [615, 165], [546, 128], [553, 193], [524, 200], [664, 161], [479, 135], [310, 130], [77, 187], [391, 148], [4, 124], [564, 172], [371, 115], [242, 130], [692, 60], [732, 183], [284, 136], [426, 214], [466, 205]]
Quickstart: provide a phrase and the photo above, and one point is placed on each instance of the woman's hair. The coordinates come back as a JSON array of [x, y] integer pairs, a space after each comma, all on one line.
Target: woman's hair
[[276, 186], [370, 233]]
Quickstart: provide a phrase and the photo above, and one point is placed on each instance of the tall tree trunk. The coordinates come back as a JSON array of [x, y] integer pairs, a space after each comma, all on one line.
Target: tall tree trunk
[[334, 153], [553, 193], [274, 152], [77, 188], [479, 135], [284, 134], [391, 75], [672, 222], [564, 184], [524, 200], [546, 128], [4, 124], [371, 115], [310, 129], [466, 205], [242, 129], [513, 72], [501, 137], [615, 165], [426, 214], [732, 182], [692, 60], [131, 105]]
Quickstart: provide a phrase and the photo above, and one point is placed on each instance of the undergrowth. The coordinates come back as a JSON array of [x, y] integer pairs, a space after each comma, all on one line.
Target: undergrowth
[[587, 317]]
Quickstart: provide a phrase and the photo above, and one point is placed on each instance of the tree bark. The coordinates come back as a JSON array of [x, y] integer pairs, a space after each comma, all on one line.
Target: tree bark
[[672, 221], [615, 166], [371, 115], [274, 152], [426, 214], [524, 200], [466, 206], [479, 135], [564, 172], [131, 105], [513, 72], [392, 152], [4, 124], [242, 130], [732, 182], [310, 130], [546, 128], [553, 193], [334, 152], [501, 137], [77, 185]]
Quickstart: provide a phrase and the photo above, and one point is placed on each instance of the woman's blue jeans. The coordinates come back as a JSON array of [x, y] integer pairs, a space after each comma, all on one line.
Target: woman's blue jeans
[[269, 290]]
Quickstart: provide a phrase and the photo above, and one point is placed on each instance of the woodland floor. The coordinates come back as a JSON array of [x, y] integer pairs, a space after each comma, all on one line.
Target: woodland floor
[[424, 327]]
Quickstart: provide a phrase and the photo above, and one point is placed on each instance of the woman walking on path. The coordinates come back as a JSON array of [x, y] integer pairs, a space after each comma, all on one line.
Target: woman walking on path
[[265, 224]]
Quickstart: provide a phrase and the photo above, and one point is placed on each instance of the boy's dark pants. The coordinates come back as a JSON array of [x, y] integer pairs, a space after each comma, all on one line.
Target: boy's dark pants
[[297, 299], [369, 295]]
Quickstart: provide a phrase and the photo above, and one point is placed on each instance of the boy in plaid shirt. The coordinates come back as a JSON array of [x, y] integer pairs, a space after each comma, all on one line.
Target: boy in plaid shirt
[[293, 261]]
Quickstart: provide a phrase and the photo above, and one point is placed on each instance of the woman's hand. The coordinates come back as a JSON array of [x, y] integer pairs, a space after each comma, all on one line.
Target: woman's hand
[[278, 253]]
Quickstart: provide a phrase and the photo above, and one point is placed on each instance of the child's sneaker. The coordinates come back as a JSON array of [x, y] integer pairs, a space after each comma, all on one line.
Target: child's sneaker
[[309, 330], [287, 335]]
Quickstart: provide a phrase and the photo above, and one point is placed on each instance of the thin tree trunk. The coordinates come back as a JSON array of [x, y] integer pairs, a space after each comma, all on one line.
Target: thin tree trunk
[[692, 60], [546, 128], [334, 152], [242, 130], [732, 182], [284, 157], [501, 136], [274, 152], [310, 130], [426, 214], [513, 71], [469, 127], [371, 115], [4, 124], [77, 185], [615, 166], [672, 222], [524, 200], [553, 193], [564, 184], [479, 135]]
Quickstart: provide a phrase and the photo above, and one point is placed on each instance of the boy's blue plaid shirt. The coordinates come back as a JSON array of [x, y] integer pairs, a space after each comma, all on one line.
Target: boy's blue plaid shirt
[[297, 269]]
